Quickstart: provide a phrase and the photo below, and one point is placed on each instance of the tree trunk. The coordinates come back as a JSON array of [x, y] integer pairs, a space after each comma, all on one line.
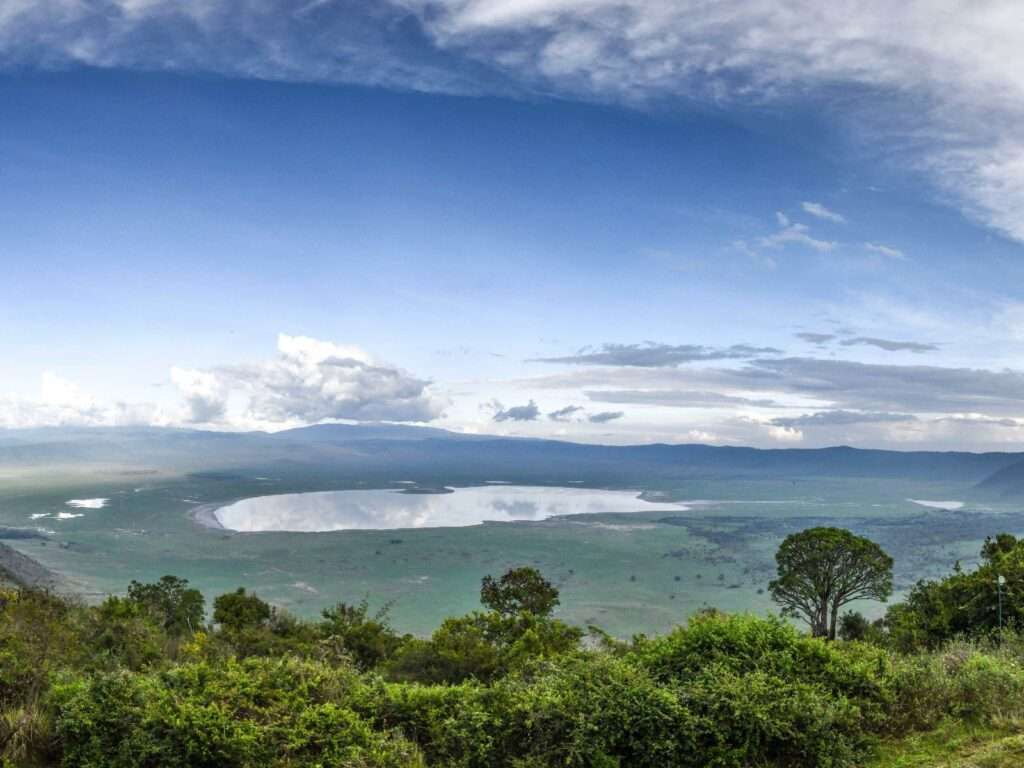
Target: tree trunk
[[832, 622], [820, 626]]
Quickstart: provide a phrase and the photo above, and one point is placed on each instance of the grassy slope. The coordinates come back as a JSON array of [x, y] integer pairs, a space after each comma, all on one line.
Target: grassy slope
[[956, 745]]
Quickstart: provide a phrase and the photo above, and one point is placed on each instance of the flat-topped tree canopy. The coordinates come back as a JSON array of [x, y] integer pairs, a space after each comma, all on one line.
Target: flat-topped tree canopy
[[822, 569]]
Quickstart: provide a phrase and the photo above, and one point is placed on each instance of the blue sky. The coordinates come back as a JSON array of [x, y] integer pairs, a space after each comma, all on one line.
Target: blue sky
[[766, 223]]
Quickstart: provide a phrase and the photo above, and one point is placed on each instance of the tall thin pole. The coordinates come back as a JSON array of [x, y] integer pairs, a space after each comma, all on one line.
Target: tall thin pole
[[1000, 580]]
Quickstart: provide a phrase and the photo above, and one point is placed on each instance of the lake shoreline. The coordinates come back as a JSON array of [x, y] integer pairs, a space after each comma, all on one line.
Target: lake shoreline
[[440, 507], [205, 516]]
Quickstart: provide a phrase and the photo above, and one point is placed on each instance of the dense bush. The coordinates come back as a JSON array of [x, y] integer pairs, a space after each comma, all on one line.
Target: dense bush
[[483, 646], [964, 604], [369, 640], [257, 712], [139, 681]]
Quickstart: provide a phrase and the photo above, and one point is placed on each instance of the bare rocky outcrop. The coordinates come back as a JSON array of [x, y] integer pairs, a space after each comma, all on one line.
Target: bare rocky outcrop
[[24, 571]]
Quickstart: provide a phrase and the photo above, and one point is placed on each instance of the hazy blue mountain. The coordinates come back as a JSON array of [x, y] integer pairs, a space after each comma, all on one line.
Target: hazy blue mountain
[[1006, 483], [340, 433], [388, 451]]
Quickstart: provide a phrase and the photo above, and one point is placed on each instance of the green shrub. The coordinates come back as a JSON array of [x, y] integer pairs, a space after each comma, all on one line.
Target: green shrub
[[593, 710], [963, 680], [484, 647], [455, 725], [253, 713], [111, 686], [240, 610], [743, 644], [986, 687], [758, 718], [369, 640]]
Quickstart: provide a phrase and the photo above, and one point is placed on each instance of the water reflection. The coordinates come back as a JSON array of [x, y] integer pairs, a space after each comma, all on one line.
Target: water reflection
[[381, 509]]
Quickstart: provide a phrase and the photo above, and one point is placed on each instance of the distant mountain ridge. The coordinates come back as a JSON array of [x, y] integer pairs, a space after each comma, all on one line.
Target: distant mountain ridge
[[1005, 483], [393, 449]]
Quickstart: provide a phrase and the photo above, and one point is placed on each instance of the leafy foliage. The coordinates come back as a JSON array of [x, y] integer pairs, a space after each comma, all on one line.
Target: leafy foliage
[[139, 681], [964, 604], [238, 610], [520, 590], [170, 601], [369, 640]]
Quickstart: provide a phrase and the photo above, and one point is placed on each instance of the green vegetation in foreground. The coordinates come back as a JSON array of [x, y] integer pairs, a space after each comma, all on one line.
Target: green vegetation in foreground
[[142, 680]]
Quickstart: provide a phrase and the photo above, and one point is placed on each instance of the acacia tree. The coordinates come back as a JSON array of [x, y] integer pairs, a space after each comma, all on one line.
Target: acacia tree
[[822, 569]]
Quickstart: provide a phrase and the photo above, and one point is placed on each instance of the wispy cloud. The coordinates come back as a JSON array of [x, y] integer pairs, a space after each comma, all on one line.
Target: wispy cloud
[[605, 416], [815, 338], [834, 418], [939, 82], [677, 398], [565, 414], [822, 384], [885, 250], [654, 355], [791, 232], [889, 345], [821, 212]]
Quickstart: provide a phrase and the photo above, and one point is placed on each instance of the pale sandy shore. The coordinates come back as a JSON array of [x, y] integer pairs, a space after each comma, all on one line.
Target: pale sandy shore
[[206, 516]]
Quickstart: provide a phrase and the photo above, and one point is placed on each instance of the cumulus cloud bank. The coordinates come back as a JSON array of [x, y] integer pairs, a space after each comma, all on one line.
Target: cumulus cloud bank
[[309, 381], [312, 381], [937, 81], [62, 403], [204, 393]]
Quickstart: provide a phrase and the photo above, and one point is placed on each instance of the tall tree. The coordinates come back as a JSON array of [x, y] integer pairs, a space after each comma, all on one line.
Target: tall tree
[[177, 607], [822, 569], [520, 590], [240, 610]]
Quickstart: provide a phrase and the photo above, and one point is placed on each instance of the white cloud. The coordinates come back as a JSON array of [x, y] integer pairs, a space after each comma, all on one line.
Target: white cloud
[[885, 250], [62, 393], [205, 395], [796, 233], [62, 403], [312, 381], [701, 436], [793, 232], [820, 211], [308, 382], [785, 434]]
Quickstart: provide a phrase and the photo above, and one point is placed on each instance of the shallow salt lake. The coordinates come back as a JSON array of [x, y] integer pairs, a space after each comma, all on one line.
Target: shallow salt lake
[[388, 509]]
